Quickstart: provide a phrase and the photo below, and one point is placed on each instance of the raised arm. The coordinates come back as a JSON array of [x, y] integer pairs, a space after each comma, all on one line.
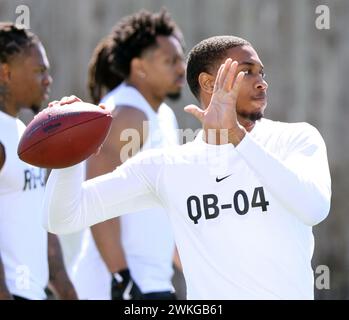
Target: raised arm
[[301, 181]]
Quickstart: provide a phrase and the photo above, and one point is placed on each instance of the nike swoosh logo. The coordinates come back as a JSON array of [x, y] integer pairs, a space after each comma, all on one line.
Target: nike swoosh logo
[[221, 179], [126, 294]]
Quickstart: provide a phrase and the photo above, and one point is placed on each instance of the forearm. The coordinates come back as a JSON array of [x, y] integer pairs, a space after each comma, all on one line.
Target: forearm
[[108, 241], [59, 282], [65, 206], [4, 293], [71, 205], [305, 190]]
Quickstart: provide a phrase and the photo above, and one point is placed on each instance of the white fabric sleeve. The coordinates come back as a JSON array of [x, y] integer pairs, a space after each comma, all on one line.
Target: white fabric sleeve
[[71, 204], [301, 181]]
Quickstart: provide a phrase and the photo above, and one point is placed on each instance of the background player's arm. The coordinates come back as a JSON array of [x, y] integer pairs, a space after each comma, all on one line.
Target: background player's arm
[[59, 282], [107, 234], [4, 293]]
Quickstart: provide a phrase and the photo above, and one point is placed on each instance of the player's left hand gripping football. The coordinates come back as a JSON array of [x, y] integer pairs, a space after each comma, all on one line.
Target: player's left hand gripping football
[[221, 112]]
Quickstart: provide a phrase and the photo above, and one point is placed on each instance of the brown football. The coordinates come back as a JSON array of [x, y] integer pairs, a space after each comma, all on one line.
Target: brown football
[[61, 136]]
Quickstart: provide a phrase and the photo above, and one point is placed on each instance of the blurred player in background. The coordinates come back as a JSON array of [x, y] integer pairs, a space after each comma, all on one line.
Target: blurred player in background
[[132, 71], [30, 259]]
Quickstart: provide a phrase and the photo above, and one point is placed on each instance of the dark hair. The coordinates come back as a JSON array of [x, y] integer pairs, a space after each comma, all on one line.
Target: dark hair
[[110, 62], [206, 55], [14, 40]]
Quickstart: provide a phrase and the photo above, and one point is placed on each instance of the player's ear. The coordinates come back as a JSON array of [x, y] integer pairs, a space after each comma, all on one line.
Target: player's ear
[[137, 68], [5, 73], [206, 82]]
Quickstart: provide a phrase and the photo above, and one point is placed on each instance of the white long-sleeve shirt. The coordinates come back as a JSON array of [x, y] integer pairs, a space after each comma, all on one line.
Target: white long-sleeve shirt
[[241, 216]]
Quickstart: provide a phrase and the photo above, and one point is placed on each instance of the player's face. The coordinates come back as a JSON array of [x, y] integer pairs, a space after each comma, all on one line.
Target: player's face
[[252, 97], [165, 67], [30, 80]]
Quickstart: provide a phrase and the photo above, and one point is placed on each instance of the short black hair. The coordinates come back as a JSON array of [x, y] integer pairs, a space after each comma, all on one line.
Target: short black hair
[[14, 40], [110, 62], [205, 56]]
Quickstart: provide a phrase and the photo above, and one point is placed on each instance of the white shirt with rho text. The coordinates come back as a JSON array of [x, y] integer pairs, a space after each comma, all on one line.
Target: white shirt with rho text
[[23, 240], [242, 216]]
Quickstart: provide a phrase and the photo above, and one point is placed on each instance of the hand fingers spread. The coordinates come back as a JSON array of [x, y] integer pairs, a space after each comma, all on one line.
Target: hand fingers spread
[[224, 72], [237, 84], [195, 111], [229, 79], [216, 83]]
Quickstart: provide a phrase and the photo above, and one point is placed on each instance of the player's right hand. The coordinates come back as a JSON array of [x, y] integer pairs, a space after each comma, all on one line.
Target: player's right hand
[[221, 112], [69, 100], [65, 100], [123, 287], [220, 116]]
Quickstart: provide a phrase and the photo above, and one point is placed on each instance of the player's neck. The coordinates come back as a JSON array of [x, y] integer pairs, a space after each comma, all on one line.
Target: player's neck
[[154, 100], [10, 111], [2, 98], [246, 123], [7, 107]]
